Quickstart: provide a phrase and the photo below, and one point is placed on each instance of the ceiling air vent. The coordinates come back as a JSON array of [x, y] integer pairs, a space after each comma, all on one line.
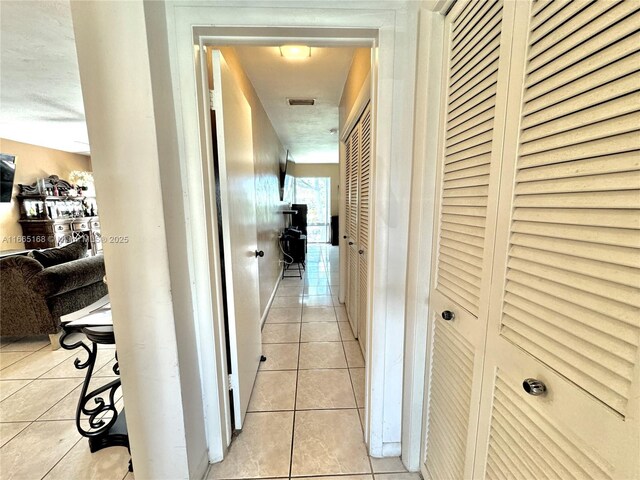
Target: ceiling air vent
[[297, 102]]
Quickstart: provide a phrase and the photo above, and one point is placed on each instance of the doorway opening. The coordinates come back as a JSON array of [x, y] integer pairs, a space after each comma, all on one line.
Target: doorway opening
[[310, 310]]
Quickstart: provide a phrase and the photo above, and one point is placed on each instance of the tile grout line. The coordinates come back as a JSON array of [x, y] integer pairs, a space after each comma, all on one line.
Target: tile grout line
[[61, 458], [295, 394]]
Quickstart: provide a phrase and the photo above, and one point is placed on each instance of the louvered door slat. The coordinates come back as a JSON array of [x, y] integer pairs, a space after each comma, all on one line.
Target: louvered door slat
[[591, 21], [579, 51], [472, 116], [482, 34], [622, 162], [600, 327], [586, 74], [587, 233], [544, 10], [444, 456], [577, 216], [594, 95], [600, 130], [540, 126], [545, 24], [471, 132], [471, 123]]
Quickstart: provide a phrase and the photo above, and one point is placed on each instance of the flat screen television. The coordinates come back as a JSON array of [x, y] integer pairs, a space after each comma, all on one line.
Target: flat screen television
[[286, 179], [7, 174]]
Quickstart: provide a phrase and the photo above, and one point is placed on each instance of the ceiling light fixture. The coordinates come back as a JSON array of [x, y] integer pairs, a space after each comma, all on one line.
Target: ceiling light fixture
[[295, 51]]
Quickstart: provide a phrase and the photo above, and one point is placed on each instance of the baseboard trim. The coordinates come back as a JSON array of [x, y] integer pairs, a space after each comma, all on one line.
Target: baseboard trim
[[265, 314]]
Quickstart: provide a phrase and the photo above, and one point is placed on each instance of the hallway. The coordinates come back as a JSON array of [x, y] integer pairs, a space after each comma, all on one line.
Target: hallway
[[307, 407]]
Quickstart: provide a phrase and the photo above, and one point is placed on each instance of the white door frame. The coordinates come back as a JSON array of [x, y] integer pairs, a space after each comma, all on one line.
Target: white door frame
[[389, 26]]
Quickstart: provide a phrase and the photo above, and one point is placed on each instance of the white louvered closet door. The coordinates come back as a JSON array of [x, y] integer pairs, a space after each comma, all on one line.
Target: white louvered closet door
[[565, 304], [363, 226], [352, 230], [477, 40], [347, 223]]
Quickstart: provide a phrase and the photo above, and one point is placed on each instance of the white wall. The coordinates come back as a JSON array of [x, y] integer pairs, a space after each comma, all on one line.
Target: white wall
[[132, 137]]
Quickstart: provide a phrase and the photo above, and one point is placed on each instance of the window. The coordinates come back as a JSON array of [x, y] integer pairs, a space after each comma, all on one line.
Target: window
[[315, 192]]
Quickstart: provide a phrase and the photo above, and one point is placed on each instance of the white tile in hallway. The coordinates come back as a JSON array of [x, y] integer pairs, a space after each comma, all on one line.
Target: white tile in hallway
[[262, 450], [345, 331], [9, 387], [321, 355], [281, 333], [37, 449], [107, 464], [357, 379], [285, 315], [398, 476], [35, 399], [280, 356], [328, 442], [387, 465], [35, 365], [279, 302], [10, 430], [318, 314], [324, 389], [318, 301], [9, 358], [354, 354], [27, 344], [275, 390], [320, 332]]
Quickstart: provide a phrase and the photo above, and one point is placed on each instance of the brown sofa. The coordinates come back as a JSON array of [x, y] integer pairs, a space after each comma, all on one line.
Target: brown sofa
[[33, 298]]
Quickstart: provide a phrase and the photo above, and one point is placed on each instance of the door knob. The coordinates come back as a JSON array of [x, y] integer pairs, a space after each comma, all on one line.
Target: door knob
[[448, 315], [350, 243], [259, 253], [534, 386]]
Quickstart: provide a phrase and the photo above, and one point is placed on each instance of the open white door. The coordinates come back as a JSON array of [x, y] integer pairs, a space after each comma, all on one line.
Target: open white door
[[233, 156]]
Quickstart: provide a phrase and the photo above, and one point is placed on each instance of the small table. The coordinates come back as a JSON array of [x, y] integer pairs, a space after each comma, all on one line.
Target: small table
[[294, 250], [106, 426]]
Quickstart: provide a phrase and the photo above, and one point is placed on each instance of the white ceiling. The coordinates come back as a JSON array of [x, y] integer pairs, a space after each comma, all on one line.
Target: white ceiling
[[41, 97], [305, 131], [40, 94]]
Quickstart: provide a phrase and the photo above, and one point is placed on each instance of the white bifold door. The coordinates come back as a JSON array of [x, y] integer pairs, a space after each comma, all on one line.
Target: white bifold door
[[358, 147], [233, 162], [535, 301]]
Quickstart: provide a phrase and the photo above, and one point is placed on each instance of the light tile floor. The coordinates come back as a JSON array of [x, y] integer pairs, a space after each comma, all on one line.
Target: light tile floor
[[304, 417], [39, 390]]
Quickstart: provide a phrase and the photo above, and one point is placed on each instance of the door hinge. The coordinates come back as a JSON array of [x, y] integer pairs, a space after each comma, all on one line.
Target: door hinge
[[230, 380]]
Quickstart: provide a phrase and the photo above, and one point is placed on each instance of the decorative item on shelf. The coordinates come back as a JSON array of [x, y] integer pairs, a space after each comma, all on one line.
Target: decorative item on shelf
[[82, 180]]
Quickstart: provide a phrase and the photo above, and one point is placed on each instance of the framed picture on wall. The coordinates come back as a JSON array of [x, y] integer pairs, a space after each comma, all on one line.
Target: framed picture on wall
[[7, 174]]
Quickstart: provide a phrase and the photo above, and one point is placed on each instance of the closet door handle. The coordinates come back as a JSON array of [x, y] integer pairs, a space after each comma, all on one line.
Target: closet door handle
[[534, 387], [259, 253], [350, 243], [448, 315], [360, 252], [344, 236]]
